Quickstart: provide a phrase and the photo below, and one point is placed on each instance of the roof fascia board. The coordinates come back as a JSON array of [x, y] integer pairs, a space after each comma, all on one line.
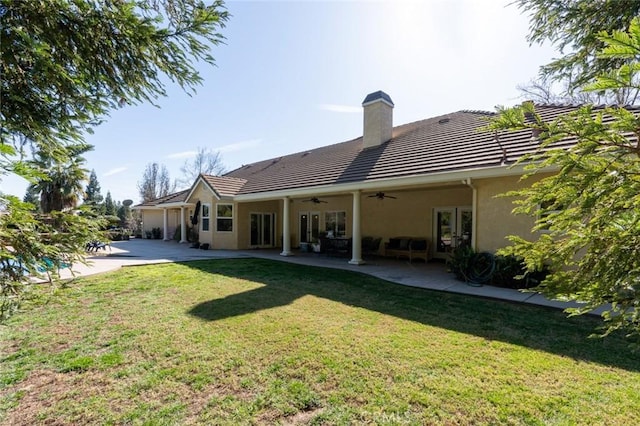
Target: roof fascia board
[[164, 206], [176, 204], [388, 184]]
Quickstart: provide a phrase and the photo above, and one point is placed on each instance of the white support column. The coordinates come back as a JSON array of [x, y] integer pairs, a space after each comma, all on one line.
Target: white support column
[[474, 213], [183, 227], [286, 231], [356, 241], [165, 224]]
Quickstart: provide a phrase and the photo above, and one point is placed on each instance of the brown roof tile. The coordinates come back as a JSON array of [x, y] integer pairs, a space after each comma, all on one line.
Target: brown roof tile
[[175, 197], [448, 142], [445, 143]]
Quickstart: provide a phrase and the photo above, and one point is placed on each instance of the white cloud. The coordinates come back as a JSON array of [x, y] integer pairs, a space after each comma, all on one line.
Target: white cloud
[[340, 108], [115, 171], [183, 154], [238, 146]]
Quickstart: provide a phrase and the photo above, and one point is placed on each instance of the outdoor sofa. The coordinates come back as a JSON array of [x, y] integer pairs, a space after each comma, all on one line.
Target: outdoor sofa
[[409, 247]]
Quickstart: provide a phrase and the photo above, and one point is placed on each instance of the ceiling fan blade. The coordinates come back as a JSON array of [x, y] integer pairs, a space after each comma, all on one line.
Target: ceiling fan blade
[[314, 200], [381, 196]]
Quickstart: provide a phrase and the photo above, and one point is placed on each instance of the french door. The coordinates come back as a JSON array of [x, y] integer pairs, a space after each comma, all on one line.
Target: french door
[[309, 226], [452, 227], [262, 229]]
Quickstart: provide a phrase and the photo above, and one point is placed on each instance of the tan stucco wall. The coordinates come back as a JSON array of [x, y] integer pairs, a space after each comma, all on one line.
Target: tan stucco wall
[[495, 220], [205, 196], [151, 219], [408, 215], [411, 214], [215, 239], [155, 219], [335, 203]]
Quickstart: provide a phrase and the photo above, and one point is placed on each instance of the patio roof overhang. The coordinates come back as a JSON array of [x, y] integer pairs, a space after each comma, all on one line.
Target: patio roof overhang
[[434, 179], [164, 206]]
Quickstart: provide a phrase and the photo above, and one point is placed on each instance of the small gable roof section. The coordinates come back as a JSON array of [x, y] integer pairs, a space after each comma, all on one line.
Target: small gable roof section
[[223, 187], [179, 197]]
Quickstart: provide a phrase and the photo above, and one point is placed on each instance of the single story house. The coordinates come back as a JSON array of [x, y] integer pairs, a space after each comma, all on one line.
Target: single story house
[[436, 179]]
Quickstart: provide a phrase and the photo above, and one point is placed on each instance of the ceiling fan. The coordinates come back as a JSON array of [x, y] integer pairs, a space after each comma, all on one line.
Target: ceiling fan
[[314, 200], [381, 196]]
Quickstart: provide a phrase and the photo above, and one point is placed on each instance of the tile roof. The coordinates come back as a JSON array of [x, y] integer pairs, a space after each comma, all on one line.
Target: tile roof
[[225, 185], [439, 144], [175, 197], [449, 142]]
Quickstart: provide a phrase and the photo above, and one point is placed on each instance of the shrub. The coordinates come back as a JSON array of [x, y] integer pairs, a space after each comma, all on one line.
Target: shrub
[[510, 272], [460, 261], [506, 271], [157, 233]]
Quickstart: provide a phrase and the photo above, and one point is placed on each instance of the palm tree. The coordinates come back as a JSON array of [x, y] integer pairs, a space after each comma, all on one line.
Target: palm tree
[[65, 175]]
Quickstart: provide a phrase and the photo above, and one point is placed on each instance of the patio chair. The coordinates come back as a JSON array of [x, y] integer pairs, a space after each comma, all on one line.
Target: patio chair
[[95, 245]]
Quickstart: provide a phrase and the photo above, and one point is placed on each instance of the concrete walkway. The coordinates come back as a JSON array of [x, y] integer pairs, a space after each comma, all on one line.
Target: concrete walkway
[[431, 276]]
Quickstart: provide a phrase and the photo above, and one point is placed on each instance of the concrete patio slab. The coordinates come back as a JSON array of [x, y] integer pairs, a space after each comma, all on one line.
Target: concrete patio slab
[[431, 275]]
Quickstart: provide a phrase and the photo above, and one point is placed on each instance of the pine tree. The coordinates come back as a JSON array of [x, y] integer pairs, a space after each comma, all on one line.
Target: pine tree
[[92, 195], [109, 205]]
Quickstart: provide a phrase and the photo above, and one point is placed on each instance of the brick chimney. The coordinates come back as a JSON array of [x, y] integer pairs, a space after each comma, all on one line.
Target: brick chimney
[[378, 119]]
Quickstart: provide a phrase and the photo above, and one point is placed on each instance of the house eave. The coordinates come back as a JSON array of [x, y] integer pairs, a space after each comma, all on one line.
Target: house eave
[[388, 183], [163, 206]]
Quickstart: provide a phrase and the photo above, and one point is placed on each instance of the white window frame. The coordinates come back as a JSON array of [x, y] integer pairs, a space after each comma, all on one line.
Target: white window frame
[[225, 217], [207, 217], [335, 231]]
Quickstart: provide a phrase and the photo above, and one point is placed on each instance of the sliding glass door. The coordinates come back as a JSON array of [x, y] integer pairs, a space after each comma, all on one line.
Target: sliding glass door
[[262, 229]]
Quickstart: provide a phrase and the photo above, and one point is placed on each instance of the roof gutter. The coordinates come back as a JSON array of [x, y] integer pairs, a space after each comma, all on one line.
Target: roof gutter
[[161, 206]]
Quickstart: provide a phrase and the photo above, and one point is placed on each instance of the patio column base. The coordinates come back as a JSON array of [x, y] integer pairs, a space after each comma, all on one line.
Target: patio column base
[[357, 262], [286, 253]]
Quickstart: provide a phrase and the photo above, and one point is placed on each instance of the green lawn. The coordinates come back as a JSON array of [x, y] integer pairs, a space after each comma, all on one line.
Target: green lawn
[[261, 342]]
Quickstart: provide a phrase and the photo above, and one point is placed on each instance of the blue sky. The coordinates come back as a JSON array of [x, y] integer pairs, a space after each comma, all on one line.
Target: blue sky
[[293, 74]]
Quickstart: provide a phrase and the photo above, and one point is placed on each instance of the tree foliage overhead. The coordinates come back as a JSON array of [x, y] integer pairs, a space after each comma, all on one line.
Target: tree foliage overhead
[[588, 213], [573, 28], [65, 64]]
